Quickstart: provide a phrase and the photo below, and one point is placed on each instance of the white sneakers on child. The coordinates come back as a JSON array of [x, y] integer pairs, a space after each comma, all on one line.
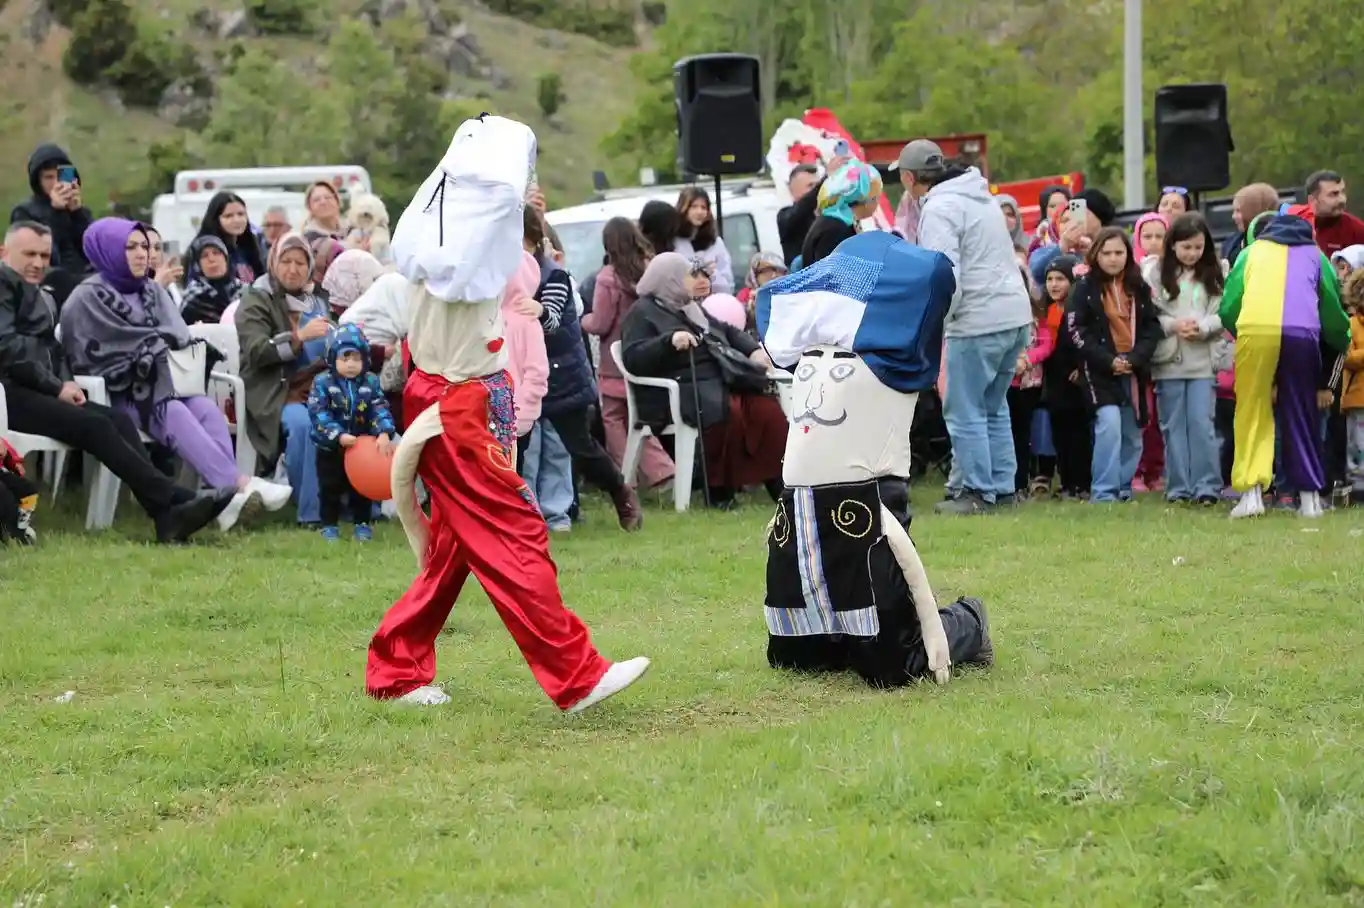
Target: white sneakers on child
[[428, 695]]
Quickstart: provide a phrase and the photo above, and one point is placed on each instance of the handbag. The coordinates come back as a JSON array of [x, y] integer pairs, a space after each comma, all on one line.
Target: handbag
[[739, 373], [189, 369]]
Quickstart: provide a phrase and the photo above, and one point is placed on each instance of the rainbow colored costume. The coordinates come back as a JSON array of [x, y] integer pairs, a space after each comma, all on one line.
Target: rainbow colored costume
[[1282, 302]]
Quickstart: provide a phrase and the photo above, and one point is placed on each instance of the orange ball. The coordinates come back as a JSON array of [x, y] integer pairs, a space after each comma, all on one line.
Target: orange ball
[[370, 473]]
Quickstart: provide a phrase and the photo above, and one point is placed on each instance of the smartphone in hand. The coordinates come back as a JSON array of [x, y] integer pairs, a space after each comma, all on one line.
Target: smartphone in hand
[[66, 174]]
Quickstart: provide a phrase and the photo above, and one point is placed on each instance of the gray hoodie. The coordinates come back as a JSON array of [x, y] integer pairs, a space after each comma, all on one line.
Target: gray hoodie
[[1176, 357], [962, 220]]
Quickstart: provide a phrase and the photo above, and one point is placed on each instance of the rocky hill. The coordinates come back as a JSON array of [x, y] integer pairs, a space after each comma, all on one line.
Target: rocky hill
[[135, 89]]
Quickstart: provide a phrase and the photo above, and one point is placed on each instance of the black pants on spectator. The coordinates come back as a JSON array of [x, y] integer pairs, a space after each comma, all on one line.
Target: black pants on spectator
[[332, 484], [110, 436], [1023, 403], [522, 442], [1224, 417], [1073, 437], [13, 489], [1335, 461], [588, 455]]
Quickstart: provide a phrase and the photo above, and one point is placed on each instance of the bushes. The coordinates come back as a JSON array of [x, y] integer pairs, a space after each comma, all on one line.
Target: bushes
[[549, 91], [284, 17], [608, 24], [110, 47]]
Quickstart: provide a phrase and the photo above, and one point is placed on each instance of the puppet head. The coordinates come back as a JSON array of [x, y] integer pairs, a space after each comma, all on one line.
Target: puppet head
[[846, 426]]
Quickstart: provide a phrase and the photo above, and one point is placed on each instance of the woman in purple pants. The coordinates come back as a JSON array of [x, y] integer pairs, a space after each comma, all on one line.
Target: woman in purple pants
[[121, 325]]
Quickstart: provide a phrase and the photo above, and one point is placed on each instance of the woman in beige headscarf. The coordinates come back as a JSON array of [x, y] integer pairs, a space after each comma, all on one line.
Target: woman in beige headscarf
[[668, 335]]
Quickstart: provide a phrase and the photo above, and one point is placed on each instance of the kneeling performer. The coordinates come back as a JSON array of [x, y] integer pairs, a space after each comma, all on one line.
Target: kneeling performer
[[846, 589]]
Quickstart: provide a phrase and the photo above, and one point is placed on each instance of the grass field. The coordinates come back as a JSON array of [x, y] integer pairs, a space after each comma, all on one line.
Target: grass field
[[1154, 733]]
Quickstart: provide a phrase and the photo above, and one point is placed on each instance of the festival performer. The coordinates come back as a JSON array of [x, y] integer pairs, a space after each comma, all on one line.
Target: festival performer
[[845, 586], [458, 243], [1282, 303]]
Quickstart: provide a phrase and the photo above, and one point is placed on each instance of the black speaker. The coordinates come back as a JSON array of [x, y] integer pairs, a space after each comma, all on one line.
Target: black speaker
[[719, 114], [1193, 138]]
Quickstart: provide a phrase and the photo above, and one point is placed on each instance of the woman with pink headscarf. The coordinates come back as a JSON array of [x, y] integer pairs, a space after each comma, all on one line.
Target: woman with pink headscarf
[[1148, 235]]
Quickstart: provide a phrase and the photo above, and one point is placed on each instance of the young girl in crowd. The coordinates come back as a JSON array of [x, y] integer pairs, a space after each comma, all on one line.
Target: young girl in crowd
[[1050, 203], [1025, 392], [1347, 261], [225, 218], [763, 269], [698, 237], [1063, 392], [1352, 395], [1174, 201], [1186, 285], [1113, 324], [1149, 232]]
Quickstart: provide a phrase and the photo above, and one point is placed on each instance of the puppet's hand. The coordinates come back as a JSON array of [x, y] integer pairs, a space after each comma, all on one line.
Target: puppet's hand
[[939, 657]]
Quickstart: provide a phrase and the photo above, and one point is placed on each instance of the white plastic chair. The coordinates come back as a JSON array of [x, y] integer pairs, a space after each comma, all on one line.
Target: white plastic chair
[[98, 514], [685, 437], [226, 384]]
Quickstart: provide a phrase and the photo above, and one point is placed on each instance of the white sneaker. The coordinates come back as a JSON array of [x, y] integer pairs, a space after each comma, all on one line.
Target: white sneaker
[[1309, 505], [243, 505], [1252, 504], [618, 677], [428, 695], [272, 494]]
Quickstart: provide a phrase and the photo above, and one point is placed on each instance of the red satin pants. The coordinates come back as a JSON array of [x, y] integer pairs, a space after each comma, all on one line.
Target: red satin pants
[[484, 522]]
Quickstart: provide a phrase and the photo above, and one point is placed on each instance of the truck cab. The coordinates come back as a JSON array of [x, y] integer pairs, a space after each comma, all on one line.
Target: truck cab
[[177, 215]]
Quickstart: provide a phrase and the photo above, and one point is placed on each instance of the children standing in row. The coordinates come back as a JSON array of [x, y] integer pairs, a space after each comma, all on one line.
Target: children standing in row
[[1186, 283]]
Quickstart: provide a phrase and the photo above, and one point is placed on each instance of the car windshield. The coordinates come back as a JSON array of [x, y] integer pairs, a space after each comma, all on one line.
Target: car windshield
[[582, 247]]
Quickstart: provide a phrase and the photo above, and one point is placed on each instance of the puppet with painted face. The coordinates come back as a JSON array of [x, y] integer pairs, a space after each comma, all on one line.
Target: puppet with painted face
[[846, 589]]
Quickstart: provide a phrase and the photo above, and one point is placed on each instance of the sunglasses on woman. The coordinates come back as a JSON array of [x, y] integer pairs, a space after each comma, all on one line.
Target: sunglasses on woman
[[699, 267], [1177, 190]]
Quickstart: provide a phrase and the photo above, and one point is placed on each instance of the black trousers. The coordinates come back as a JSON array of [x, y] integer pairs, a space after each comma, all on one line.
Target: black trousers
[[522, 442], [332, 484], [1224, 416], [589, 457], [1073, 437], [1023, 403], [110, 436], [13, 489]]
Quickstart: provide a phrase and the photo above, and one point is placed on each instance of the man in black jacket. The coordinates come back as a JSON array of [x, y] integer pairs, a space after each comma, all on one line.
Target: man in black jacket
[[794, 221], [42, 398], [57, 205]]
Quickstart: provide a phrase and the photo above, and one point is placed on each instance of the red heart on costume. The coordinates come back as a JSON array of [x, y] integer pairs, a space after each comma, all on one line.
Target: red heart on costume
[[495, 345]]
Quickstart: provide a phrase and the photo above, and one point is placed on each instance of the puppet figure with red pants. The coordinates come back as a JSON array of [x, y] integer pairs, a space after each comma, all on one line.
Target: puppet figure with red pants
[[458, 243]]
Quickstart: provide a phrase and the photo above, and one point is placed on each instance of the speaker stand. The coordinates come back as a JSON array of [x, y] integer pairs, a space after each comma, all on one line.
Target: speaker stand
[[719, 210]]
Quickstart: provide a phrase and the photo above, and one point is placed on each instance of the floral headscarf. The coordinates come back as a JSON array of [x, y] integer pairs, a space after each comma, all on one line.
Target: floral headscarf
[[769, 259], [852, 184], [349, 275]]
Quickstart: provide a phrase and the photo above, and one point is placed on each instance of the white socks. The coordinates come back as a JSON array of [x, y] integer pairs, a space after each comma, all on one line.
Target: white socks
[[1309, 505], [1252, 504]]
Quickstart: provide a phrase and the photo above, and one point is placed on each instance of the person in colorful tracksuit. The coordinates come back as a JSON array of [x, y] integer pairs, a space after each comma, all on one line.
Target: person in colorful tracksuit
[[1282, 302], [459, 242], [346, 402]]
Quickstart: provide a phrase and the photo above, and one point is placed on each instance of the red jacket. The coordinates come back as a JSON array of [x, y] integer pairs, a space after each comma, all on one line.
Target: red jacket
[[1337, 233], [10, 460]]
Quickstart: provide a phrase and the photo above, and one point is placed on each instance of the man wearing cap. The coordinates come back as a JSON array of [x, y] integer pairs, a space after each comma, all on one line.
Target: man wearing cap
[[987, 325]]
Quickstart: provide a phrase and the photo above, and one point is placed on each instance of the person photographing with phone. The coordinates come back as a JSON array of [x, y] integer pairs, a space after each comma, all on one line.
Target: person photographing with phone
[[57, 205]]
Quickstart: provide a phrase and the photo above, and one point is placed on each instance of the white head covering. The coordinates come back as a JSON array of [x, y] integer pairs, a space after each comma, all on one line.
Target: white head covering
[[1352, 256], [461, 234]]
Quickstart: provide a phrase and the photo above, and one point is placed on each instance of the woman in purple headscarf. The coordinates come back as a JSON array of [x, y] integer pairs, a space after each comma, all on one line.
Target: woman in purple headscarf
[[121, 325]]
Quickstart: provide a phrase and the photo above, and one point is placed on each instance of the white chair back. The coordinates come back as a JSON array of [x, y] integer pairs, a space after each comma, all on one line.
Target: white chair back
[[224, 338]]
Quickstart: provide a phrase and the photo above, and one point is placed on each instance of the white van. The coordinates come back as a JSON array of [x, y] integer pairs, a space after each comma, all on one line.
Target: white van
[[748, 210], [177, 215]]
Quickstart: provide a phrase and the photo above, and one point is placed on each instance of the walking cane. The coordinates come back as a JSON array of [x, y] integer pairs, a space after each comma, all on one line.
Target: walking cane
[[700, 439]]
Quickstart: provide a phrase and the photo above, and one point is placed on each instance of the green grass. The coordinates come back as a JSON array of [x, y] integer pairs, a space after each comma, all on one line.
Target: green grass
[[1153, 733]]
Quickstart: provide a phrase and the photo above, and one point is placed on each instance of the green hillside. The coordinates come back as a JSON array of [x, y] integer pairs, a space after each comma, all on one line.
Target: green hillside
[[379, 83]]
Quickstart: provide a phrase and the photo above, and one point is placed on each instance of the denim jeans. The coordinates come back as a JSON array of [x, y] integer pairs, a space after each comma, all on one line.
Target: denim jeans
[[1192, 458], [979, 371], [549, 473], [1117, 451], [300, 462]]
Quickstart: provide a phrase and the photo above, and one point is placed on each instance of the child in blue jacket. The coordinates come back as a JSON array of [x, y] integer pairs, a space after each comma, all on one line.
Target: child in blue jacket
[[346, 402]]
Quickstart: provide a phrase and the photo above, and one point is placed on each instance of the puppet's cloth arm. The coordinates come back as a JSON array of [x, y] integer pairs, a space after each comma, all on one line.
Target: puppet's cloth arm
[[930, 622]]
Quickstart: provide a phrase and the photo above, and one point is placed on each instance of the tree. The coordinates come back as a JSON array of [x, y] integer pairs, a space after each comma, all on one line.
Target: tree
[[261, 117], [100, 37], [549, 93], [284, 17]]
